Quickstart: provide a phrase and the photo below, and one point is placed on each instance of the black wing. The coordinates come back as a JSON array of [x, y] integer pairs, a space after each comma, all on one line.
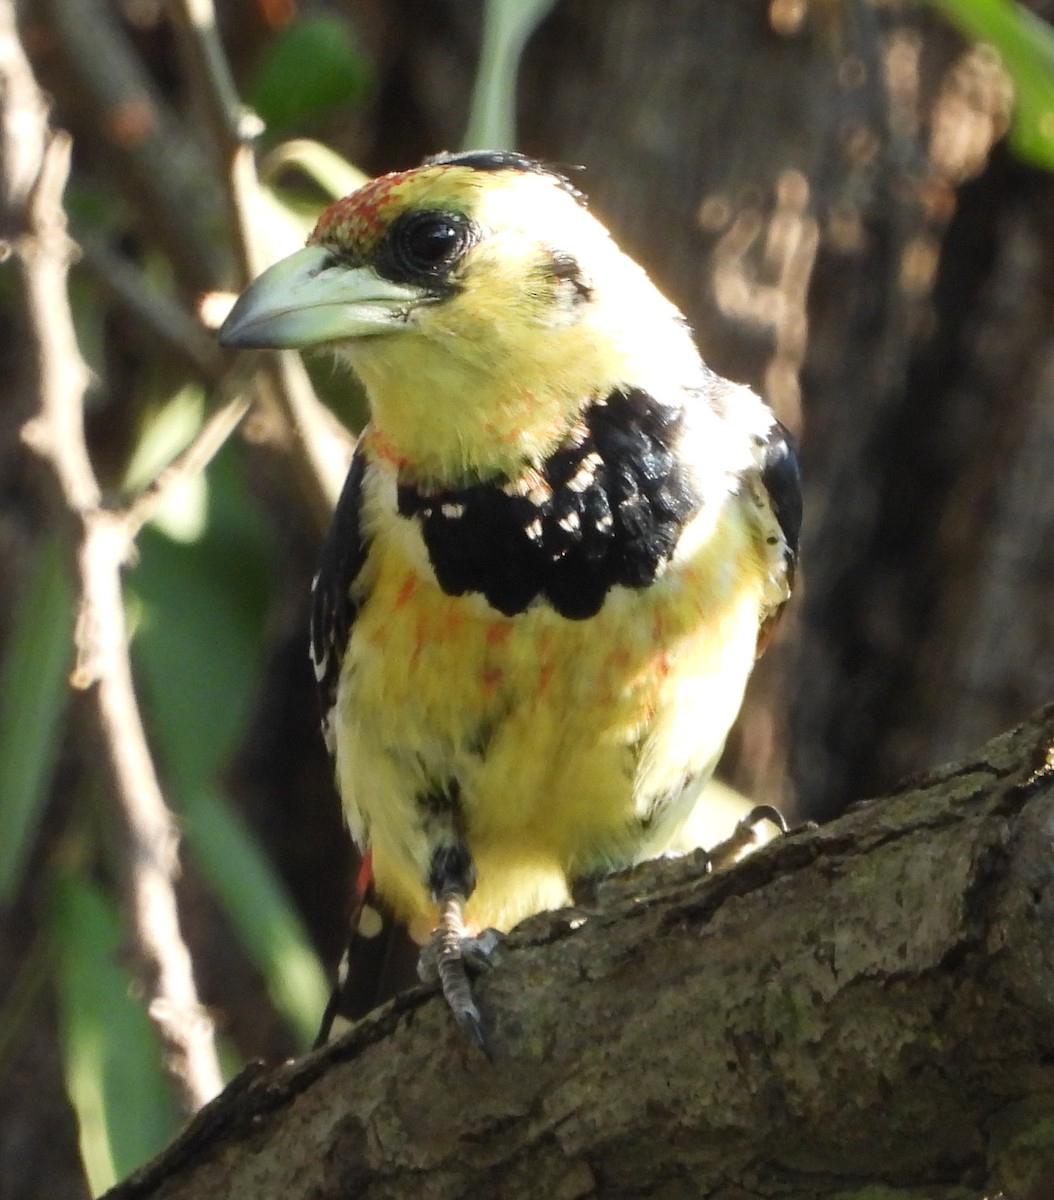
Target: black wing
[[333, 610], [781, 475], [781, 483], [378, 962]]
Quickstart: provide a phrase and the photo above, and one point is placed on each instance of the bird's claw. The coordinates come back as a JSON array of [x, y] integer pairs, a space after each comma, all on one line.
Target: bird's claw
[[447, 960], [746, 835]]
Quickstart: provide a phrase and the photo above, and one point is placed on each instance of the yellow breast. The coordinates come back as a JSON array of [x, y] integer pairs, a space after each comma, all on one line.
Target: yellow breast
[[575, 745]]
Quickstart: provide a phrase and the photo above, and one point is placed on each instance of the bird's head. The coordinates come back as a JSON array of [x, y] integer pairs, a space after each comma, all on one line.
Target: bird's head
[[481, 305]]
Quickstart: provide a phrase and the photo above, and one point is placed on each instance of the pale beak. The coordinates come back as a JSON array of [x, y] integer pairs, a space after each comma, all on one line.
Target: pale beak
[[311, 298]]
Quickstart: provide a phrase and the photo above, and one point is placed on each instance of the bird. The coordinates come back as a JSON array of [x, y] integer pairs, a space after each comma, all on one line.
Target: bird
[[561, 545]]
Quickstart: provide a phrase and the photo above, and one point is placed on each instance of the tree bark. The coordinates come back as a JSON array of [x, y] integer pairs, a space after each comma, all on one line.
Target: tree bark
[[860, 1009]]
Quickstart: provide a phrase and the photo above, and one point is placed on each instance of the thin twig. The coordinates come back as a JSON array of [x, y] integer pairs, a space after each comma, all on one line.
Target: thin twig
[[103, 669], [231, 124], [192, 461], [321, 466], [22, 108], [178, 330]]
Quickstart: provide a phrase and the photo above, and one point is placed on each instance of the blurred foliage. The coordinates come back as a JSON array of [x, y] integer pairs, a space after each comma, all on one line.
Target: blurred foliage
[[332, 175], [310, 68], [33, 698], [1026, 45], [112, 1054], [507, 24], [259, 911], [199, 638], [201, 603]]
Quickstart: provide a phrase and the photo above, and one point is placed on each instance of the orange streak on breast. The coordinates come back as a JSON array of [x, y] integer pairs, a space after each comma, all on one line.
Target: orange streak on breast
[[491, 680], [380, 447], [450, 622], [545, 657], [545, 676], [407, 590], [497, 635]]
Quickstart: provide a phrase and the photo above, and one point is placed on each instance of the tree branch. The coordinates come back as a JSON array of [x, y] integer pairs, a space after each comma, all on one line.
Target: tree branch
[[320, 459], [867, 1003], [101, 541]]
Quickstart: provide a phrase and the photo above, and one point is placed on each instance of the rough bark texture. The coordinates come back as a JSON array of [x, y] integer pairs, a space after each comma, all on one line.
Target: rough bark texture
[[873, 1000]]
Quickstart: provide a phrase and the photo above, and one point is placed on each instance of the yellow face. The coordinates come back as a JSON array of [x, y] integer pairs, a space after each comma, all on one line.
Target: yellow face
[[482, 309]]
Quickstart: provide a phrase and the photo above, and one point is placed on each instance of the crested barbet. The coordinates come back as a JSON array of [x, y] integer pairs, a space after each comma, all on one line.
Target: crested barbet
[[562, 542]]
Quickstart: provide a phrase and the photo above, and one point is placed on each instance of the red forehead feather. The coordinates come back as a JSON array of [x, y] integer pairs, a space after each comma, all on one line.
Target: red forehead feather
[[361, 216]]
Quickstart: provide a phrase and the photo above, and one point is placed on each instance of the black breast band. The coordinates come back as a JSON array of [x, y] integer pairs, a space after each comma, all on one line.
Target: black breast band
[[606, 508]]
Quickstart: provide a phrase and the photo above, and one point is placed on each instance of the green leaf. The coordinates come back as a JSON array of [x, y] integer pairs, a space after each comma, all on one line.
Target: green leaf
[[324, 167], [311, 67], [259, 908], [283, 221], [507, 24], [111, 1052], [287, 214], [33, 696], [1026, 45], [199, 636], [167, 430]]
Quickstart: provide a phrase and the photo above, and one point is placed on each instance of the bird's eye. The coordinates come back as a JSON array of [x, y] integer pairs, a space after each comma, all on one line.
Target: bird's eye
[[431, 241], [424, 243]]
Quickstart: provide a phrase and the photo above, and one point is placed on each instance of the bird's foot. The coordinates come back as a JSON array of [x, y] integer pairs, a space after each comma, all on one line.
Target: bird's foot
[[448, 958], [747, 835]]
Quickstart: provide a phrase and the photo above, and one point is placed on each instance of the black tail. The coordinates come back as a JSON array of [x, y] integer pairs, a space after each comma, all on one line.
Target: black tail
[[381, 959]]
